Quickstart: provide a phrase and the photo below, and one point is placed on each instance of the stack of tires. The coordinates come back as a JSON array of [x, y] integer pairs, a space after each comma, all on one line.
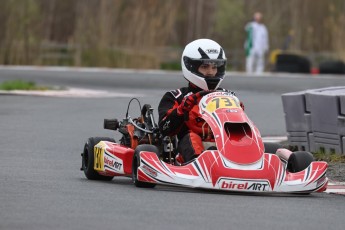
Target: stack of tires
[[332, 67], [292, 63]]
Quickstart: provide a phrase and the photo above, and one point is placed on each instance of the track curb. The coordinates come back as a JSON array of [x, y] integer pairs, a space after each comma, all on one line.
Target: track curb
[[336, 187]]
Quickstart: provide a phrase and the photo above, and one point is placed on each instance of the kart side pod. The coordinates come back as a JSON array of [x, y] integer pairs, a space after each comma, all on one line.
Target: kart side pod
[[112, 159]]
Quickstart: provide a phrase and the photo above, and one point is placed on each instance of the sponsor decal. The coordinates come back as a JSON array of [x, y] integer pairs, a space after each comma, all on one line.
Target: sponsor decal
[[166, 125], [112, 163], [232, 111], [212, 51], [243, 185], [217, 93], [149, 171]]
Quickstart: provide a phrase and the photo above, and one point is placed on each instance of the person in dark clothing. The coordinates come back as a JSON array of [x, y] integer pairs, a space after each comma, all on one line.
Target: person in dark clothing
[[203, 65]]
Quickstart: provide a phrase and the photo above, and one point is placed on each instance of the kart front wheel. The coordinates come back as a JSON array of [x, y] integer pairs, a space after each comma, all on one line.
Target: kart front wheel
[[136, 164], [88, 159], [298, 161]]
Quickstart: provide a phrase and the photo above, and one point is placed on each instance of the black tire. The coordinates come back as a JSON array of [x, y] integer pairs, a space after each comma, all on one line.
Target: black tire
[[272, 147], [332, 67], [292, 63], [299, 160], [136, 163], [88, 159]]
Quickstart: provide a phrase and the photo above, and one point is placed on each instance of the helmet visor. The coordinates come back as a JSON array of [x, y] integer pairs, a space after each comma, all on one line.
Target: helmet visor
[[214, 62], [193, 65]]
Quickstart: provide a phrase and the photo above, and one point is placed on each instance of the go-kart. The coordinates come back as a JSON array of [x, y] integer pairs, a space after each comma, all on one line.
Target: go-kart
[[238, 160]]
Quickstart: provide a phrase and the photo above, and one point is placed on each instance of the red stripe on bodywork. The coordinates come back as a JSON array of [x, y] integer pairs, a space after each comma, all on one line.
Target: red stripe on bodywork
[[318, 169]]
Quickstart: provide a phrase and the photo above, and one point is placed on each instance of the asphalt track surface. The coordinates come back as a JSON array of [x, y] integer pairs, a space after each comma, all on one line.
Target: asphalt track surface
[[41, 139]]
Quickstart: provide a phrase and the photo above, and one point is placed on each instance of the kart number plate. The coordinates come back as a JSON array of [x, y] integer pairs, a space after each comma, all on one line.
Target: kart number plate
[[98, 159], [221, 103]]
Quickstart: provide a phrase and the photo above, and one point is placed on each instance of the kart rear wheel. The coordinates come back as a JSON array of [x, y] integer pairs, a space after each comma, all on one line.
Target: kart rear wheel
[[272, 147], [88, 159], [136, 164], [298, 161]]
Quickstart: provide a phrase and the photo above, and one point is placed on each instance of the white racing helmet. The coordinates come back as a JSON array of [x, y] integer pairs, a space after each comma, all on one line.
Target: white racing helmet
[[199, 52]]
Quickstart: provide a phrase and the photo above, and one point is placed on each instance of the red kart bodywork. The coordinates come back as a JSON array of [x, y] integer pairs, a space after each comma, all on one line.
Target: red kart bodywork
[[238, 164], [112, 159]]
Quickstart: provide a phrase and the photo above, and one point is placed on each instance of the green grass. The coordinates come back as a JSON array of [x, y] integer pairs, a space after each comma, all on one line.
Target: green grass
[[21, 85], [331, 157], [171, 65], [320, 155]]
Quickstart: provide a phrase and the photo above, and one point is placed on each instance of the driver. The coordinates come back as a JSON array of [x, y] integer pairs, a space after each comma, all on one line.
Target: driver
[[203, 65]]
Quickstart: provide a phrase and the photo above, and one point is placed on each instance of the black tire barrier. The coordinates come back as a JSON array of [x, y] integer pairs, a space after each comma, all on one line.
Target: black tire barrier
[[332, 67], [292, 63]]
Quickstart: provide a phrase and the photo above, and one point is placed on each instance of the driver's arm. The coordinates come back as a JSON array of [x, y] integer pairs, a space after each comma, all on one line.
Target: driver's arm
[[170, 122]]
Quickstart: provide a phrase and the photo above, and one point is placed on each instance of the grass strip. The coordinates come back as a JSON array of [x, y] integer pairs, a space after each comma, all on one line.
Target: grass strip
[[21, 85]]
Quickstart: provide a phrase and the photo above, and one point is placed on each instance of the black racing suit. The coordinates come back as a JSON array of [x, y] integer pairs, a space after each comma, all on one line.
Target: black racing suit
[[190, 128]]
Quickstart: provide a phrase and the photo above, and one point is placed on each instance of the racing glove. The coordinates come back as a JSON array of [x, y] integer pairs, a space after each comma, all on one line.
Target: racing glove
[[188, 102]]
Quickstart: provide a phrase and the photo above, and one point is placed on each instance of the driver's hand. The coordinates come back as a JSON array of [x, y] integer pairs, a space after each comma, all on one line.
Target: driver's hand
[[189, 101], [229, 91]]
